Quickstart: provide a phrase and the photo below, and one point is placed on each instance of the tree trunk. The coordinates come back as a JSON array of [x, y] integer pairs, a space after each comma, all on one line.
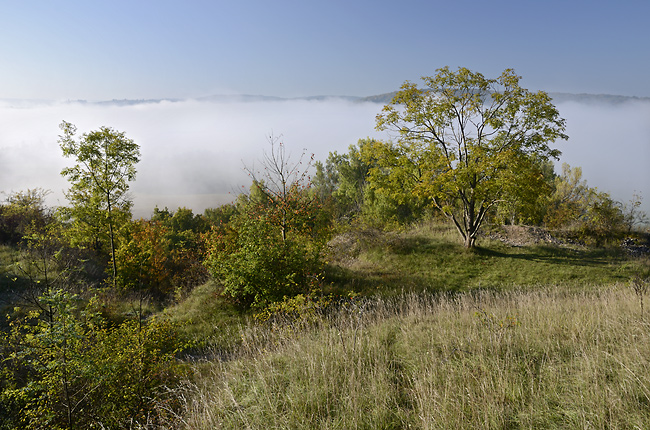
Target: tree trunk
[[111, 235], [470, 241]]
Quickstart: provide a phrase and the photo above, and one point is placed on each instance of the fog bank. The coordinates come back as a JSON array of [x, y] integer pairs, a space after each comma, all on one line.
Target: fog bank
[[611, 142], [193, 152]]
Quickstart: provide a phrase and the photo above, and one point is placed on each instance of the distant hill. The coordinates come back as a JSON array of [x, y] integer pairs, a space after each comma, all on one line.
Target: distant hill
[[257, 98], [557, 98], [379, 99], [595, 98]]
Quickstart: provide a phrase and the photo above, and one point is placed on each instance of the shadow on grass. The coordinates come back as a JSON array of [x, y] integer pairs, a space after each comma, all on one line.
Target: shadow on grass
[[420, 245], [416, 264], [555, 255], [10, 284]]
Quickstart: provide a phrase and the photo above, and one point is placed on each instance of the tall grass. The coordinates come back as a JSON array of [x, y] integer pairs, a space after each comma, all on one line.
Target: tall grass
[[521, 359]]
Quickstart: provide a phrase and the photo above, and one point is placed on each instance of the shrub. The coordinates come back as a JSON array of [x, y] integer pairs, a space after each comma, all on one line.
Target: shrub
[[295, 312], [161, 256], [70, 369], [256, 266], [23, 210]]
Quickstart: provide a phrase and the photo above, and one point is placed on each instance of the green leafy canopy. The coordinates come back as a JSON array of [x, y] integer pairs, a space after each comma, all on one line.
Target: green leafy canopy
[[461, 138]]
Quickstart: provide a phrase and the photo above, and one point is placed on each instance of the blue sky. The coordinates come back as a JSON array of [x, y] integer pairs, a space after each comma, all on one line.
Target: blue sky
[[155, 49]]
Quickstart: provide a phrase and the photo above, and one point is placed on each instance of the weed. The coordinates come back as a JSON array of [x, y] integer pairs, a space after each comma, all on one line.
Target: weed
[[640, 287]]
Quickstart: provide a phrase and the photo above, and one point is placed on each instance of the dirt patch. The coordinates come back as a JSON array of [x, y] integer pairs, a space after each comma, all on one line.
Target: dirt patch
[[520, 235], [344, 249]]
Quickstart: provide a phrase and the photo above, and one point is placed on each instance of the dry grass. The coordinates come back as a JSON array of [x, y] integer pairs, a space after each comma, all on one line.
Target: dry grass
[[522, 359]]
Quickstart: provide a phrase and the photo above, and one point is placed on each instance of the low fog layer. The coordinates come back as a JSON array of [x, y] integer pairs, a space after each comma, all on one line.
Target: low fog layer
[[193, 152], [611, 142]]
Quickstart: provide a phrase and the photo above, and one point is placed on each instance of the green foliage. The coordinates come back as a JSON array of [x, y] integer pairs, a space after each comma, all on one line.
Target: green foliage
[[460, 140], [46, 263], [343, 178], [220, 215], [594, 215], [568, 201], [295, 312], [145, 257], [23, 210], [137, 361], [70, 370], [256, 265], [270, 248], [603, 219], [182, 222], [48, 352], [526, 204], [163, 256], [388, 200], [106, 162], [343, 183]]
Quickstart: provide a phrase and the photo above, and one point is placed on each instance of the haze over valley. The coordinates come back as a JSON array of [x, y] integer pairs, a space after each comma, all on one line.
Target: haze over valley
[[194, 151]]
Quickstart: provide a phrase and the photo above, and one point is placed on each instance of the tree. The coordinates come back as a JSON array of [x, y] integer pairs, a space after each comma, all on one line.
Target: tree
[[388, 199], [145, 257], [282, 186], [342, 185], [256, 265], [106, 161], [462, 137], [634, 215], [270, 247], [46, 264], [163, 255], [569, 200], [343, 178], [592, 213], [527, 204]]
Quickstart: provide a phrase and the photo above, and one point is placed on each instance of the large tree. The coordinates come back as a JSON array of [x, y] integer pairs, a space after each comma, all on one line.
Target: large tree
[[465, 142], [106, 161]]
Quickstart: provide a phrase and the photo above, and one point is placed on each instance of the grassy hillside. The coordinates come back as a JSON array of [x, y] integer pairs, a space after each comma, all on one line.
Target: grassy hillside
[[430, 258], [426, 258], [542, 359], [542, 335], [525, 332]]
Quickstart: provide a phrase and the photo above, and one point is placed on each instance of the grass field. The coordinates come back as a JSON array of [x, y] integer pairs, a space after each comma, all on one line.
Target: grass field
[[539, 336], [519, 359], [430, 258]]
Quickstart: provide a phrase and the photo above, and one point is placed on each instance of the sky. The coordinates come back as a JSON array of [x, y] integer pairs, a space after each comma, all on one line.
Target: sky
[[119, 49], [193, 152]]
